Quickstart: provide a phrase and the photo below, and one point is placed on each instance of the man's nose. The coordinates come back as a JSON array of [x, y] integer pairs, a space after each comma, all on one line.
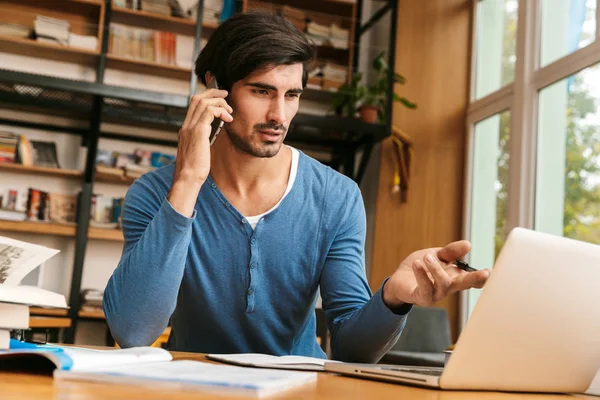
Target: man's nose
[[277, 112]]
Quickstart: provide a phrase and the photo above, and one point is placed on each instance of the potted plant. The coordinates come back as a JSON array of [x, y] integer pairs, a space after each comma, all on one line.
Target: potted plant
[[369, 100]]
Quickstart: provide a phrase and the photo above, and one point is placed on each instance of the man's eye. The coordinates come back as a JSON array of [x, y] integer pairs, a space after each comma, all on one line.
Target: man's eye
[[262, 92], [293, 95]]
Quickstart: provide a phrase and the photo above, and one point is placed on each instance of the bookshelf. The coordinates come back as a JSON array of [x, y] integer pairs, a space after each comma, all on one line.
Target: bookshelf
[[343, 137], [49, 312]]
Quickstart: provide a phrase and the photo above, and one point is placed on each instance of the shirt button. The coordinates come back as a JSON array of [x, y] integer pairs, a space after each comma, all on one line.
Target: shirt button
[[213, 185], [252, 265], [253, 241], [244, 221], [250, 292], [227, 204]]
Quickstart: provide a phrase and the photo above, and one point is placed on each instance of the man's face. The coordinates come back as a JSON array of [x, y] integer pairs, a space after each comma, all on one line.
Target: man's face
[[263, 105]]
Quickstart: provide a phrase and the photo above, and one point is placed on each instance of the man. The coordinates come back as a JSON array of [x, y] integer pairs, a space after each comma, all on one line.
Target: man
[[233, 241]]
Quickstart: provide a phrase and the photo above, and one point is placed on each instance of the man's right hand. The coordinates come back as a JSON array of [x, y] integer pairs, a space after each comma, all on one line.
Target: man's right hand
[[193, 151]]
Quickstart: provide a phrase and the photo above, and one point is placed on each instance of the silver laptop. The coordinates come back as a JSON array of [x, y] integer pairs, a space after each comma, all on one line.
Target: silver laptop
[[535, 328]]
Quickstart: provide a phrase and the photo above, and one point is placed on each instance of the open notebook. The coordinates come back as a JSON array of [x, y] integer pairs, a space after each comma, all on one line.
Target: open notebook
[[149, 367]]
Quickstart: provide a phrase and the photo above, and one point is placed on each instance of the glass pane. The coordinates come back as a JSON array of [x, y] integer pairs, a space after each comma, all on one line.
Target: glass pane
[[568, 158], [489, 194], [567, 25], [496, 38]]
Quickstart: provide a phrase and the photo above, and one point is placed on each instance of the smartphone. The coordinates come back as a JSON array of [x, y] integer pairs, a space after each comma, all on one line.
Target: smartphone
[[218, 123]]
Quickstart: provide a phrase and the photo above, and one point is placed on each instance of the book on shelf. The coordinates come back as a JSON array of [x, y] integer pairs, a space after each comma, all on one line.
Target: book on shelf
[[150, 45], [13, 205], [52, 29], [44, 154], [9, 143], [62, 208], [15, 30], [85, 42], [156, 6]]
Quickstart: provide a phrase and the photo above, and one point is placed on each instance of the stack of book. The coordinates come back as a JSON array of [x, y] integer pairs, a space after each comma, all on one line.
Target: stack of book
[[156, 6], [318, 33], [338, 37], [51, 30], [83, 41], [17, 260]]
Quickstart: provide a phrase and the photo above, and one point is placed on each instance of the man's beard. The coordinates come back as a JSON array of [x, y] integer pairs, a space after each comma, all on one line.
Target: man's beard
[[262, 150]]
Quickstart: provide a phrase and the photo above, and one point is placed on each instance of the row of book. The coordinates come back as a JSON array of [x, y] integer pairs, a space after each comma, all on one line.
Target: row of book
[[323, 29], [41, 206], [17, 149], [130, 165], [58, 31], [178, 8], [152, 46], [327, 76]]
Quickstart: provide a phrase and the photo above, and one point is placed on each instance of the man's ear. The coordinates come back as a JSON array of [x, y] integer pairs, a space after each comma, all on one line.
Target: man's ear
[[208, 77]]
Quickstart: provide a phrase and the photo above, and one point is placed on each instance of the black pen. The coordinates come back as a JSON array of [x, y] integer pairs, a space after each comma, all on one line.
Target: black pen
[[464, 266]]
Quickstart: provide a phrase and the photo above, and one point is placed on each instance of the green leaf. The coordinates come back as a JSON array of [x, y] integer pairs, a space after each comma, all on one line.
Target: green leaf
[[407, 103], [399, 78]]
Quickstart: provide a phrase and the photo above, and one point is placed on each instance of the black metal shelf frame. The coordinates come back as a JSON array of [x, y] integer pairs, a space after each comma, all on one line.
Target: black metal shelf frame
[[95, 102]]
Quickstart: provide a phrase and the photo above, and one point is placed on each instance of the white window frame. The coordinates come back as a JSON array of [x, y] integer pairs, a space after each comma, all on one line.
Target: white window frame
[[521, 98]]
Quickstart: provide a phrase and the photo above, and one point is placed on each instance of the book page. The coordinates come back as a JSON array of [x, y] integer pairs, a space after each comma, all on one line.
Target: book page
[[17, 259]]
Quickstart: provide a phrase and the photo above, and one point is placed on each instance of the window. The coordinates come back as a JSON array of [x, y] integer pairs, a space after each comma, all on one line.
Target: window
[[567, 25], [489, 191], [496, 38], [534, 123]]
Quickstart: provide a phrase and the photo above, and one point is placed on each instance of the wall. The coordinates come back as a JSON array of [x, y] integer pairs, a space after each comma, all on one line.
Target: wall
[[433, 52]]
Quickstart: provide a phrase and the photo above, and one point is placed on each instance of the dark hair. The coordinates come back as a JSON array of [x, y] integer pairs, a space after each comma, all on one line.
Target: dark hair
[[248, 42]]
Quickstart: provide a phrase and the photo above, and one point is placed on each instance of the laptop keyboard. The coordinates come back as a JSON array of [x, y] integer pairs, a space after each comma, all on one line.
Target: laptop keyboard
[[422, 371]]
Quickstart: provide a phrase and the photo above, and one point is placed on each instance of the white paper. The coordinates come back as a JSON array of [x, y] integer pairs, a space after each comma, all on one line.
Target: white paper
[[17, 259]]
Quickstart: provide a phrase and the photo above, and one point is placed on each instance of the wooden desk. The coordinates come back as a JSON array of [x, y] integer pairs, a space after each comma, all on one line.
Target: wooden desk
[[328, 386]]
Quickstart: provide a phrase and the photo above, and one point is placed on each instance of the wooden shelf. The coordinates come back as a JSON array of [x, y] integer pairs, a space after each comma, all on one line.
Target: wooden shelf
[[49, 312], [165, 23], [35, 170], [105, 234], [110, 178], [49, 228], [29, 47], [91, 314], [149, 68], [49, 322]]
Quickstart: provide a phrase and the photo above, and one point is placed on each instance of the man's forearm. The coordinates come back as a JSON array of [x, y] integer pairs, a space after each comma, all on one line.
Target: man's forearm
[[142, 293], [369, 332]]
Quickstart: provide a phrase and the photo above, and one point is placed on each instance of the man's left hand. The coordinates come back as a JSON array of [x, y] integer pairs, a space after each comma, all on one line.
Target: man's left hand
[[428, 276]]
